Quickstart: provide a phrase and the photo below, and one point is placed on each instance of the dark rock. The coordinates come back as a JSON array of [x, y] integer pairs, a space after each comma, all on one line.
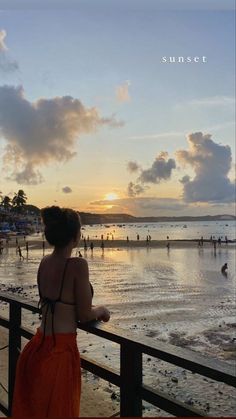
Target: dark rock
[[189, 401], [113, 396]]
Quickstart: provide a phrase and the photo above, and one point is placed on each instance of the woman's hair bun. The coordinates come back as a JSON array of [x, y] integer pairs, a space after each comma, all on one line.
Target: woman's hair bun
[[52, 216], [61, 225]]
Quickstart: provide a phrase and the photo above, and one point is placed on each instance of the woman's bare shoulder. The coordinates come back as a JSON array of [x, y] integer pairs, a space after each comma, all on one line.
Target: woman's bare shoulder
[[43, 260], [78, 263]]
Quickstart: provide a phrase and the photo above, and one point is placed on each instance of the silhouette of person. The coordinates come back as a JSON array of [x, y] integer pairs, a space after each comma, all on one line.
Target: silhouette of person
[[127, 238], [91, 246], [20, 253], [102, 245], [1, 246], [224, 269], [80, 254]]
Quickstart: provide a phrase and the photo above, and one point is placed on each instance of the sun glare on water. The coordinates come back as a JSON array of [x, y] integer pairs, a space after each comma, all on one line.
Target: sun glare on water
[[111, 196]]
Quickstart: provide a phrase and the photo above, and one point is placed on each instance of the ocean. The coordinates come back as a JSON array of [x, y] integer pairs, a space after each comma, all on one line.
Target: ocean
[[178, 296], [159, 231]]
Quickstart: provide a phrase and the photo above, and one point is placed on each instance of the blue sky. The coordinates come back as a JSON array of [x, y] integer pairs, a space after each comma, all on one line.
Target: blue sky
[[90, 52]]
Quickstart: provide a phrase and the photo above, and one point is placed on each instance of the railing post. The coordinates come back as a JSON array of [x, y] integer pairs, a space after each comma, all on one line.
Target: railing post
[[130, 380], [14, 344]]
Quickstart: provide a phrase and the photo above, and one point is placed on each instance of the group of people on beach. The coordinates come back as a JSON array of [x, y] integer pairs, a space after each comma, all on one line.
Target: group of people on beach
[[48, 374]]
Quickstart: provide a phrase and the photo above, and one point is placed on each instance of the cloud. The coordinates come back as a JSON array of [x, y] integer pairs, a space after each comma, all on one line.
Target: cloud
[[140, 206], [211, 163], [226, 102], [185, 179], [213, 101], [161, 169], [168, 134], [132, 166], [135, 189], [3, 35], [27, 176], [112, 122], [66, 189], [122, 92], [42, 132], [7, 65]]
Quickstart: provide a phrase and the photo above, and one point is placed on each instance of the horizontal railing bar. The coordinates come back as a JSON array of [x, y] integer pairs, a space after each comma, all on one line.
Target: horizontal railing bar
[[4, 408], [98, 369], [185, 358], [167, 403], [4, 322], [26, 333], [27, 304]]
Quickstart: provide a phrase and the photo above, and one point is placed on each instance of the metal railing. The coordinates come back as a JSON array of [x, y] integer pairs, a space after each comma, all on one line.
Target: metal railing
[[129, 380]]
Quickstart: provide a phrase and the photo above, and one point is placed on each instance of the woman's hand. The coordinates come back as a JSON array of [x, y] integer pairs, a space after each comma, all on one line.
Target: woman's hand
[[105, 315]]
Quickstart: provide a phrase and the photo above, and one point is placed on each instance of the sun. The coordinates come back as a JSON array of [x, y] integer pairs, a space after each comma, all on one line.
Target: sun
[[111, 196]]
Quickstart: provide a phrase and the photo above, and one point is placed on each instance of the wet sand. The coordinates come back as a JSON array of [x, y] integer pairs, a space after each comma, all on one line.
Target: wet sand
[[149, 291], [101, 399]]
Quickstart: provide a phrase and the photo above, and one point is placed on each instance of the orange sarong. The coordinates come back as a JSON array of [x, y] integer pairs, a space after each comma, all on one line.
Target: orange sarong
[[48, 379]]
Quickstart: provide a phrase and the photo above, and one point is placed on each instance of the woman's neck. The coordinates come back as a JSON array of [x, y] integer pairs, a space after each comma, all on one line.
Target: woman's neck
[[63, 252]]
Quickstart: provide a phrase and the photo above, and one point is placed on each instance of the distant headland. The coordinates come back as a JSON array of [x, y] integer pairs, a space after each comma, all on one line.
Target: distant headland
[[89, 218]]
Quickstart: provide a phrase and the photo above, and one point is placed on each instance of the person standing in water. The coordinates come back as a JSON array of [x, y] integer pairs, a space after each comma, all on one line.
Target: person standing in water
[[224, 269], [48, 375]]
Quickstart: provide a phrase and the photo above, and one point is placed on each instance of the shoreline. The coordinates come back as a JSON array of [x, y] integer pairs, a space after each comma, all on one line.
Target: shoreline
[[36, 243]]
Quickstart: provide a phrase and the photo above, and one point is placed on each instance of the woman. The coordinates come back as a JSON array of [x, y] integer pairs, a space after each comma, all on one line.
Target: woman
[[48, 376]]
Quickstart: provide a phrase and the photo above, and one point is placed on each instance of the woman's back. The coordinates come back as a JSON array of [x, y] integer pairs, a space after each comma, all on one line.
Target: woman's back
[[56, 279]]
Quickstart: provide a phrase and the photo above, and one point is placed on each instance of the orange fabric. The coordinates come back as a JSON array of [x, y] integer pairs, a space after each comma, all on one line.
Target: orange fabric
[[48, 379]]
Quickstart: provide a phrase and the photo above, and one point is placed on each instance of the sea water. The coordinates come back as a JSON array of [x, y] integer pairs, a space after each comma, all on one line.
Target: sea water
[[159, 231], [154, 290]]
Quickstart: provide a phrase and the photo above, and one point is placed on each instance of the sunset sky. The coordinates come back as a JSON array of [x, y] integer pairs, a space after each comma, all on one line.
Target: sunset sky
[[91, 118]]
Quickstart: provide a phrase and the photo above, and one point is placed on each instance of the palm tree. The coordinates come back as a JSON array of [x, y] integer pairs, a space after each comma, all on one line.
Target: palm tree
[[6, 202], [19, 200]]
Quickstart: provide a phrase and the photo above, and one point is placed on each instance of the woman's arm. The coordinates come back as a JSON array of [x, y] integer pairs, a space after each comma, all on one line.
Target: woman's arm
[[83, 297]]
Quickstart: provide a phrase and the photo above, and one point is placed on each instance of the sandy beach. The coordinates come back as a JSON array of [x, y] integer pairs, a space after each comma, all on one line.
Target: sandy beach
[[149, 291], [101, 399], [38, 243]]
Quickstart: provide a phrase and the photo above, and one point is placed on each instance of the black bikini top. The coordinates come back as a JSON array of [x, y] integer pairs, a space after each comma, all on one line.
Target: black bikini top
[[50, 303]]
